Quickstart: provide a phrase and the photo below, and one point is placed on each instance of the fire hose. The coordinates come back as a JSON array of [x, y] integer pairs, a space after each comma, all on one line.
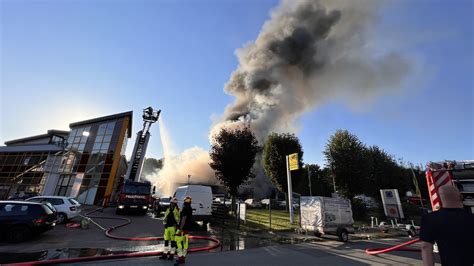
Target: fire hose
[[216, 243], [400, 247]]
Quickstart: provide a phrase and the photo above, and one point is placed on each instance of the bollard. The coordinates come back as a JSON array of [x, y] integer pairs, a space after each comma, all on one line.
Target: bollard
[[270, 213]]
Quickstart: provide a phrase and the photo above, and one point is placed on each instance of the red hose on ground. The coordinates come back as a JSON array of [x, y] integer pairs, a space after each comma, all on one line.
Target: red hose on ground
[[216, 243], [400, 247]]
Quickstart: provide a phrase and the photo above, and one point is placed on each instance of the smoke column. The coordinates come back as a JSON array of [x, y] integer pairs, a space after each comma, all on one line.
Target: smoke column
[[308, 53]]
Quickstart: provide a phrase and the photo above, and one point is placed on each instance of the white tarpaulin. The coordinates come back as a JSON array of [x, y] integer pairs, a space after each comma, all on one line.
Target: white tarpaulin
[[320, 213]]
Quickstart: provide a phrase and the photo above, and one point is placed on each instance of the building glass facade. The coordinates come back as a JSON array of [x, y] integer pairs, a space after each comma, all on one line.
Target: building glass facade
[[22, 162], [87, 162], [89, 168]]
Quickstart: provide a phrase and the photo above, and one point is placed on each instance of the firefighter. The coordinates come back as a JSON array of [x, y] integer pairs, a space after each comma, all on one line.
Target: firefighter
[[170, 220], [182, 234]]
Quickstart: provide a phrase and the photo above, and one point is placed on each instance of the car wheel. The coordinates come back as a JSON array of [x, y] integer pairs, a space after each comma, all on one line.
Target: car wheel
[[18, 234], [343, 235], [318, 234], [62, 218]]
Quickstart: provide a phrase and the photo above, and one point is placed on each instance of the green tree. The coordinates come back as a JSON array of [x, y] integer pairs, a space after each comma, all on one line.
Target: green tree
[[232, 157], [321, 184], [276, 148], [345, 157]]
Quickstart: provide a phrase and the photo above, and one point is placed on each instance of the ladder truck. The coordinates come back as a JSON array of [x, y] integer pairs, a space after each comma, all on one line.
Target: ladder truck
[[456, 173], [135, 195]]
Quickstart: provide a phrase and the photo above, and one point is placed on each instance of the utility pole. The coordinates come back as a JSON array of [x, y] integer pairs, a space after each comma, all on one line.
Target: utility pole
[[290, 189], [309, 180], [332, 170]]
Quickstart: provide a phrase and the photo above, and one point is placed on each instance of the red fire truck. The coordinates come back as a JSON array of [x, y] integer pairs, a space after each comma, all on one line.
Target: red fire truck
[[134, 196], [456, 173]]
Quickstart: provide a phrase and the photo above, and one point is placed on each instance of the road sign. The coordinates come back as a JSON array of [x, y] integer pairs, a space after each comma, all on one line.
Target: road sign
[[294, 165]]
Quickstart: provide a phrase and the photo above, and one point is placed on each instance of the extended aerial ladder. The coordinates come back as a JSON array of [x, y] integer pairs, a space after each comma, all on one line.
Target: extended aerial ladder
[[135, 166]]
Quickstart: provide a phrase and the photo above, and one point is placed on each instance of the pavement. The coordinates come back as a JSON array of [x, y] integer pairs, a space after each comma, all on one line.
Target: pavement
[[236, 249]]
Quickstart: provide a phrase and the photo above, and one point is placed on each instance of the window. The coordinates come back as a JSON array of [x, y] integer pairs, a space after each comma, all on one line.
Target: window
[[13, 210], [107, 138], [73, 201], [110, 128], [64, 185], [73, 133], [55, 201], [101, 130]]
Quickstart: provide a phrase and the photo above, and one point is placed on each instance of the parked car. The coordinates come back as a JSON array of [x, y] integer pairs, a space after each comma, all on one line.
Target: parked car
[[66, 208], [265, 202], [161, 204], [23, 195], [19, 220], [252, 203]]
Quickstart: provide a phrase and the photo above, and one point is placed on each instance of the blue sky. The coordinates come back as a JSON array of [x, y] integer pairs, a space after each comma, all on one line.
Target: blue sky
[[64, 61]]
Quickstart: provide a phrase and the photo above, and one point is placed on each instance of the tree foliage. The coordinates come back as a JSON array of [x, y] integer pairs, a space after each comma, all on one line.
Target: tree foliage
[[359, 169], [345, 156], [232, 157], [321, 184], [276, 148]]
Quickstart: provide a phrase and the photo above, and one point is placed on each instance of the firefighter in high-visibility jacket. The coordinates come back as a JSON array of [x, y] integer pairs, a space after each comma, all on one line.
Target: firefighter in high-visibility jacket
[[171, 220], [182, 234]]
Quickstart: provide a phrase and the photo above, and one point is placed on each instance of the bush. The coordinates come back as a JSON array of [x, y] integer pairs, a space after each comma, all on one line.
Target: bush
[[359, 210]]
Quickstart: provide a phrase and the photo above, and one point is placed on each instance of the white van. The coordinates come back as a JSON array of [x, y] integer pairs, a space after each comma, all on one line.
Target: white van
[[202, 200]]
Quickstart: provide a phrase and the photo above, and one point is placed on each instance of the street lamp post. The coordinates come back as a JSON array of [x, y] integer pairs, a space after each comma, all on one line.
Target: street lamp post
[[309, 180], [189, 176]]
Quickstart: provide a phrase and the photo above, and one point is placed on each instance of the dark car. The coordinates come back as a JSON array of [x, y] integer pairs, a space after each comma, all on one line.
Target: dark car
[[21, 220], [23, 195]]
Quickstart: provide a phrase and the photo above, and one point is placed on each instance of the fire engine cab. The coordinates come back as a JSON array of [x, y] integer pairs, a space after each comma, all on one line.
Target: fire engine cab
[[457, 173]]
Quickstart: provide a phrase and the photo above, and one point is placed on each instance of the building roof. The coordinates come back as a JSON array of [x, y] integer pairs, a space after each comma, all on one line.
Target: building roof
[[49, 133], [31, 148], [105, 118]]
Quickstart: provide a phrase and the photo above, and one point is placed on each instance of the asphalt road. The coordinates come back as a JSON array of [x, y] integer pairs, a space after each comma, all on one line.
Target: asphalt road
[[63, 242], [326, 252], [62, 237]]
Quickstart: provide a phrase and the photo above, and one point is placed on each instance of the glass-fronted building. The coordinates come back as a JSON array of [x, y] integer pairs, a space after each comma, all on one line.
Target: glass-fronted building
[[22, 161], [89, 164], [90, 167]]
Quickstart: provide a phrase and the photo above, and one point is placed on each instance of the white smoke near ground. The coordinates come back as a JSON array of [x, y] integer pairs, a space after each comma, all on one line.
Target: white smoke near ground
[[177, 167], [308, 53]]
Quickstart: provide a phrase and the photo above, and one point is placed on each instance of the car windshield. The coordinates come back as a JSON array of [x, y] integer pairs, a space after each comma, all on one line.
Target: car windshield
[[136, 189], [165, 199]]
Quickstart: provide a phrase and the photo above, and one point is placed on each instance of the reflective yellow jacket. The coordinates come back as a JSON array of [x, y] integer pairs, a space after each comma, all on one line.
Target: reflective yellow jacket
[[175, 213]]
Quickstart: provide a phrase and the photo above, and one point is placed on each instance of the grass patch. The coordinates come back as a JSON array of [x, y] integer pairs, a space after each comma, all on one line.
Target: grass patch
[[258, 220]]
